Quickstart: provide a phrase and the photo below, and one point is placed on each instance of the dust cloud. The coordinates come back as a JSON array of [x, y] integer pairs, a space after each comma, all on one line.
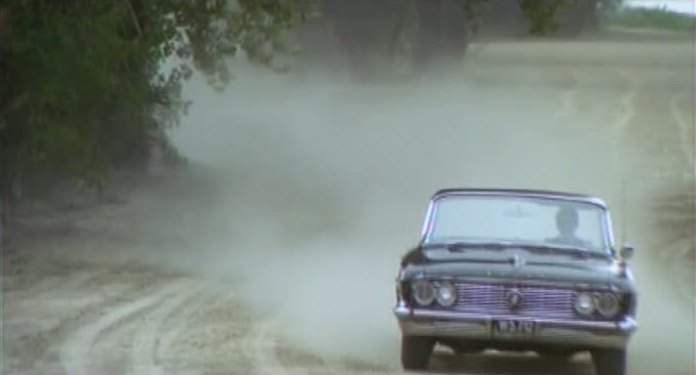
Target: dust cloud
[[315, 182]]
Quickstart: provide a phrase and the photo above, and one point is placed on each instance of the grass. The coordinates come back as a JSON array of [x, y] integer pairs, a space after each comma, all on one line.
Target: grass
[[651, 18]]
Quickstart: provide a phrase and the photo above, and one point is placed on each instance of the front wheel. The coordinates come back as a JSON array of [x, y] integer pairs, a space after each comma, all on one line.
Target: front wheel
[[609, 361], [415, 352]]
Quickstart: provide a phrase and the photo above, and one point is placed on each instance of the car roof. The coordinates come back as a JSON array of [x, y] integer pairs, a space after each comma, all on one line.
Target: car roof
[[533, 193]]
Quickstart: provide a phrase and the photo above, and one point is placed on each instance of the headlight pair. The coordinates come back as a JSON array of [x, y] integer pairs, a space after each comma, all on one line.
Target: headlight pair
[[426, 292], [606, 304]]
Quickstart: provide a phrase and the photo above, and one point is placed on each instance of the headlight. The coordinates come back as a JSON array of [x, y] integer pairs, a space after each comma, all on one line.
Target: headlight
[[608, 305], [584, 304], [446, 294], [424, 292]]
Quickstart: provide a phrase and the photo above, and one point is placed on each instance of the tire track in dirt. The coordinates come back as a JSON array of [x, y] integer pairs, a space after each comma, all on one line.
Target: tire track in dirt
[[38, 325], [260, 346], [682, 124], [625, 109], [146, 341], [626, 104], [165, 342], [264, 348], [77, 349], [568, 106], [617, 130], [625, 112], [47, 288]]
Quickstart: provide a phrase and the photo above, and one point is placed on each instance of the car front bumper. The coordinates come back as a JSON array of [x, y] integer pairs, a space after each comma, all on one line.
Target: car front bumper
[[582, 334]]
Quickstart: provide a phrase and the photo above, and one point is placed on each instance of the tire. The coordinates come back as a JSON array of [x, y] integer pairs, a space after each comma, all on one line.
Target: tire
[[610, 361], [415, 352]]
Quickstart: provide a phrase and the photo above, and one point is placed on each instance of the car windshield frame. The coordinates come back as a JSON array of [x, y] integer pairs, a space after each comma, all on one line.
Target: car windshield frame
[[607, 245]]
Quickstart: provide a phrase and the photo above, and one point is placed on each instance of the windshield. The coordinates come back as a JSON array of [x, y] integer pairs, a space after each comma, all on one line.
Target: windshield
[[525, 220]]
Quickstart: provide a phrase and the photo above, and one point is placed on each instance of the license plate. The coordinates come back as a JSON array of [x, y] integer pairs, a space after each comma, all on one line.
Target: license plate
[[514, 327]]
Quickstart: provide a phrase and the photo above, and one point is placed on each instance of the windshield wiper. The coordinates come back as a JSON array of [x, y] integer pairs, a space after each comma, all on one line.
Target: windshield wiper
[[579, 252], [462, 245]]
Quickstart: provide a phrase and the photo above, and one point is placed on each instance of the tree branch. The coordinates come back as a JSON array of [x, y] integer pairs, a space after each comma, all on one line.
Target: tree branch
[[134, 17]]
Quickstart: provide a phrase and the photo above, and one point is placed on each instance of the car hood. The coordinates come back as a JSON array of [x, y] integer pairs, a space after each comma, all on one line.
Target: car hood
[[522, 265]]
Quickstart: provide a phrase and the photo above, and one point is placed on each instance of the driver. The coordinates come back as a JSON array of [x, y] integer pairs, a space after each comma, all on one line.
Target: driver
[[567, 224]]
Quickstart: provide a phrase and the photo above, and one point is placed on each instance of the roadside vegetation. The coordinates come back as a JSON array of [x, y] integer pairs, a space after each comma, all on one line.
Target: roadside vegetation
[[650, 18], [83, 91]]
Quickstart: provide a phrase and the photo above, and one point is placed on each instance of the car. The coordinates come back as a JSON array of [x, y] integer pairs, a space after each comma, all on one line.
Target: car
[[517, 270]]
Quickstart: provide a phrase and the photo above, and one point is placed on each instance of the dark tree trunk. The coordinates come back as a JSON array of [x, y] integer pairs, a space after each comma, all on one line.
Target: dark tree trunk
[[443, 31], [376, 27]]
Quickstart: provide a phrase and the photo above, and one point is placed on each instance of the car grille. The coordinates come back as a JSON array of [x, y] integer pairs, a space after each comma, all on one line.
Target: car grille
[[536, 301]]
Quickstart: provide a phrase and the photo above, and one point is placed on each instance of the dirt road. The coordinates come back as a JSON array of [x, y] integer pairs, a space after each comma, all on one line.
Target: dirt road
[[275, 251]]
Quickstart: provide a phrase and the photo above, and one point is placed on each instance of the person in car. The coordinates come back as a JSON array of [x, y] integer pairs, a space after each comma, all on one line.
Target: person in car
[[567, 224]]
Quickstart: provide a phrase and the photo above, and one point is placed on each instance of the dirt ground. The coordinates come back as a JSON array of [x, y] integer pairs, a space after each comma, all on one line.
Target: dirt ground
[[275, 250]]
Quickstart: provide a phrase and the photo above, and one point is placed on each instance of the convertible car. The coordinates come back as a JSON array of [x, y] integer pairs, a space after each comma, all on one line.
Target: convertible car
[[516, 270]]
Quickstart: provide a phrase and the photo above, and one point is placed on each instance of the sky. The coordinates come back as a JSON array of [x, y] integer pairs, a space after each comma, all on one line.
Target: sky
[[683, 6]]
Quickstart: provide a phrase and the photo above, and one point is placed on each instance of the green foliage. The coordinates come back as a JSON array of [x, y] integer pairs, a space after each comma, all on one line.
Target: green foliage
[[81, 83], [472, 9], [651, 18], [611, 5], [542, 14], [60, 65]]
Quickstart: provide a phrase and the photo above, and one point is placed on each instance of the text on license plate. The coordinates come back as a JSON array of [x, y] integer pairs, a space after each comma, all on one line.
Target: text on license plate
[[514, 327]]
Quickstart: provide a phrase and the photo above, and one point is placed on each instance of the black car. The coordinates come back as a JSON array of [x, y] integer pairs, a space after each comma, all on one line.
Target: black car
[[517, 270]]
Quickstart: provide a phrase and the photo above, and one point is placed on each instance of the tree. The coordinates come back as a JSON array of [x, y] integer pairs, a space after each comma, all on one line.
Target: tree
[[81, 87], [81, 90], [442, 28]]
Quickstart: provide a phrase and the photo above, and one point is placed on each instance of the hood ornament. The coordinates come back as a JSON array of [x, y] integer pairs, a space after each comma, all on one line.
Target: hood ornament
[[518, 261], [513, 299]]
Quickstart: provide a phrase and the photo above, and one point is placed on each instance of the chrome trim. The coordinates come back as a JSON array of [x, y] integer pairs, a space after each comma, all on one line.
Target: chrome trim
[[610, 232], [532, 301], [428, 219], [608, 238], [403, 311], [575, 286], [527, 194], [549, 331]]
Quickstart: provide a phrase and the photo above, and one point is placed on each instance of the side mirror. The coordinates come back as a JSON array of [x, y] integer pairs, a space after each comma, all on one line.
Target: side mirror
[[626, 252]]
